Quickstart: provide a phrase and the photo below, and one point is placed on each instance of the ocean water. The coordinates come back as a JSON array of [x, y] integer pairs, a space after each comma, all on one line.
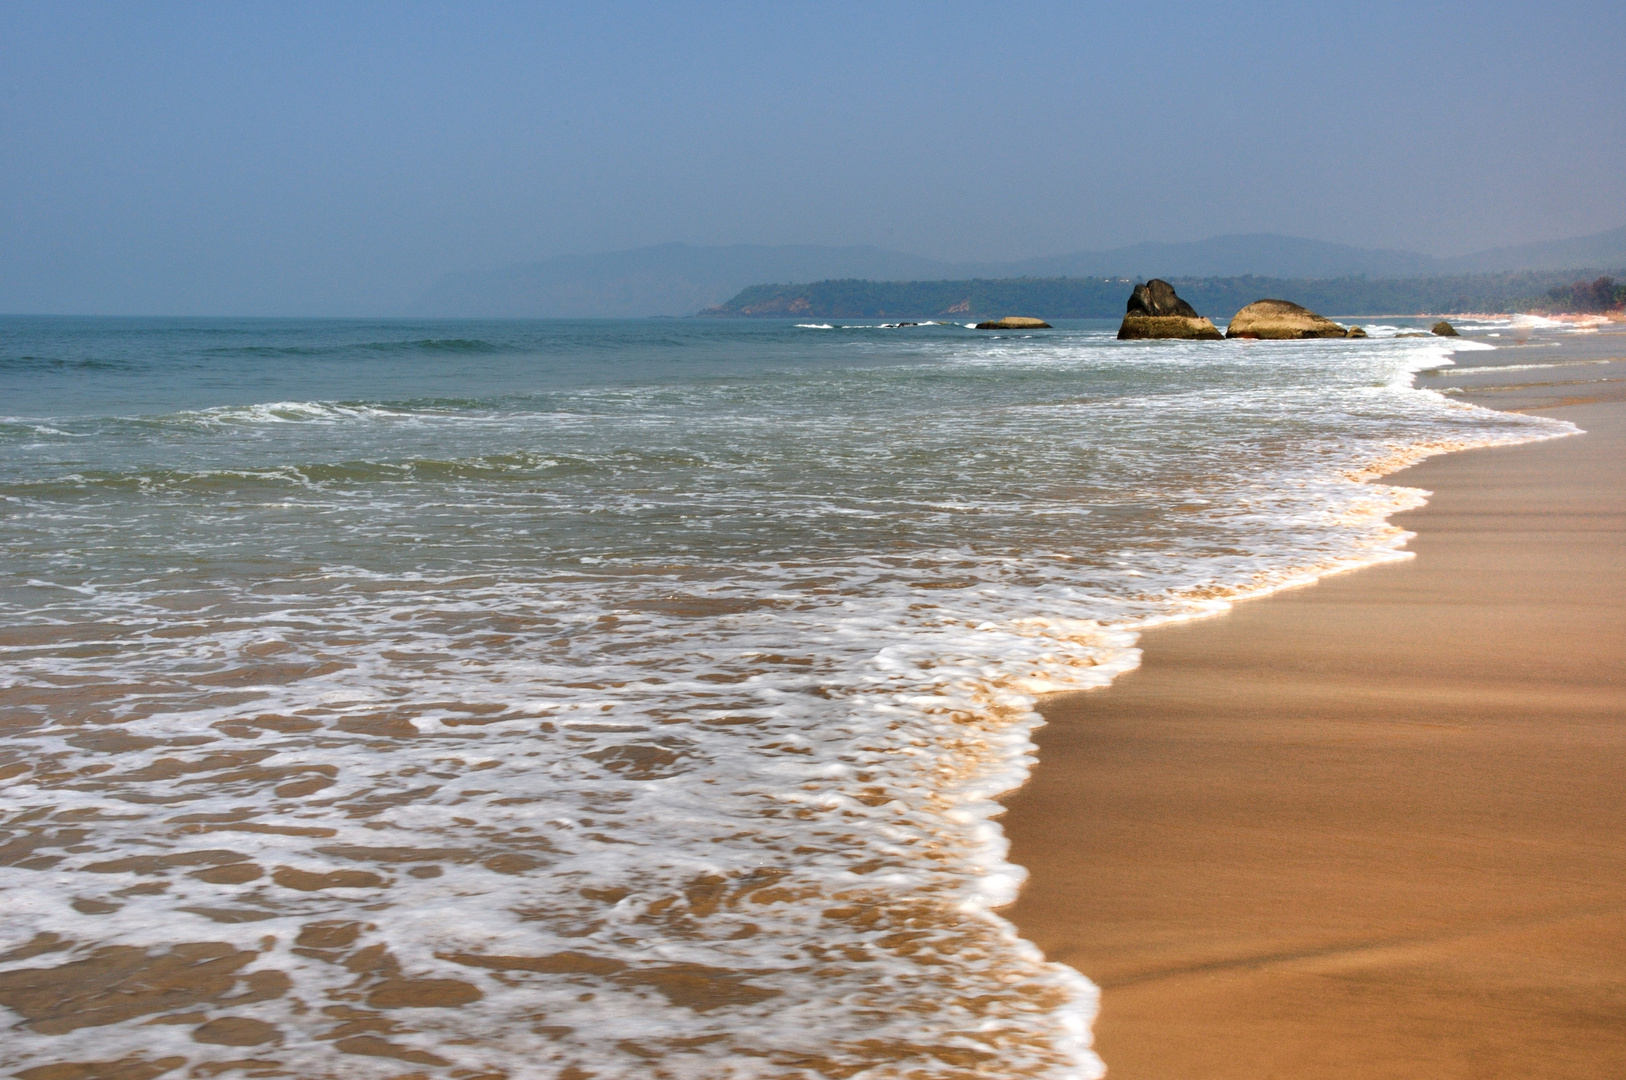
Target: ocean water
[[605, 699]]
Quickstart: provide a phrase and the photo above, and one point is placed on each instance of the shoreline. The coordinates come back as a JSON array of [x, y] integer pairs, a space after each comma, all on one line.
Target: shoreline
[[1355, 828]]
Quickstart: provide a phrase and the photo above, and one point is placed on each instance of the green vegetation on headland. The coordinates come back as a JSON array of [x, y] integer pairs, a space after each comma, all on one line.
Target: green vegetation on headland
[[1601, 294], [1216, 297]]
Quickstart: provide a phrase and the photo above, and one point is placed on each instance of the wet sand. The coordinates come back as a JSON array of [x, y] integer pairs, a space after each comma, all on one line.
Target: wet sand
[[1374, 827]]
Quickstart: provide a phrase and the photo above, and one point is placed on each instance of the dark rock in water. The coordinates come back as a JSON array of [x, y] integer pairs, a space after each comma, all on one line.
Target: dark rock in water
[[1281, 319], [1015, 322], [1155, 312], [1444, 329], [1157, 297], [1355, 331], [1410, 335]]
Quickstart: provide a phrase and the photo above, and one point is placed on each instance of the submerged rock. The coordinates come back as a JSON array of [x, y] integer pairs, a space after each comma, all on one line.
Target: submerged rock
[[1015, 322], [1155, 311], [1282, 319], [1444, 329]]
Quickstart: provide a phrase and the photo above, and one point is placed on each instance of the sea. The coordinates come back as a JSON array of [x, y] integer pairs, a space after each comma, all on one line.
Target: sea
[[603, 699]]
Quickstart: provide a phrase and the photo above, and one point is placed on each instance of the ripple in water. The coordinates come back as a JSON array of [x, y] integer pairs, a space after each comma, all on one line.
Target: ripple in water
[[648, 725]]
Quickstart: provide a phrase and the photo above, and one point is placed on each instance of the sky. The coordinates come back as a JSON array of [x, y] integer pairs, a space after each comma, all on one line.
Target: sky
[[337, 158]]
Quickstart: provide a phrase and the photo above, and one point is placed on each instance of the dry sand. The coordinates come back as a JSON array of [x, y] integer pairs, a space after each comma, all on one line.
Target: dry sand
[[1375, 827]]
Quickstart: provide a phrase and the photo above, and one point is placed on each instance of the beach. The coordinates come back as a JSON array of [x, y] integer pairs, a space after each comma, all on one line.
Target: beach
[[1371, 827]]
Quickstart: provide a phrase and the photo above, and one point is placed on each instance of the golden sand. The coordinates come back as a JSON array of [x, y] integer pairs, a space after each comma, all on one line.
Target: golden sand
[[1375, 827]]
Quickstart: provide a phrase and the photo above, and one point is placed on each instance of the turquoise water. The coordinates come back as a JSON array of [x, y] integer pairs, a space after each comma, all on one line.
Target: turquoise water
[[619, 697]]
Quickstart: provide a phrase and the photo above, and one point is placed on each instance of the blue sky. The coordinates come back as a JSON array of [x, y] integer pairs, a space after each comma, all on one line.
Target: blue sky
[[338, 157]]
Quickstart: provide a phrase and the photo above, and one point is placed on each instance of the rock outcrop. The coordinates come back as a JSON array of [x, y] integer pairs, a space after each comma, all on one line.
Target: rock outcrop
[[1015, 322], [1444, 329], [1155, 311], [1280, 319]]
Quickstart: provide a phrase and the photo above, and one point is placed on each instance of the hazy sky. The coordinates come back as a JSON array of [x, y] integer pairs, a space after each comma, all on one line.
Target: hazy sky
[[337, 158]]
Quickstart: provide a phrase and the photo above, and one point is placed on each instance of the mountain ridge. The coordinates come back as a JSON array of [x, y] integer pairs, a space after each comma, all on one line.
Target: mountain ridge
[[683, 279], [1098, 297]]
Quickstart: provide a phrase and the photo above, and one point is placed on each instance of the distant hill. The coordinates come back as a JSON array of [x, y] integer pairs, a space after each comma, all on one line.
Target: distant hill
[[681, 279], [1268, 255], [1261, 254], [1096, 298], [1599, 249], [669, 279]]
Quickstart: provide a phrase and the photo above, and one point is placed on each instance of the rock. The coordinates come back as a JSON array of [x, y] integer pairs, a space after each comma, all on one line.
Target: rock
[[1157, 297], [1155, 311], [1015, 322], [1410, 335], [1355, 331], [1279, 319], [1444, 329], [1143, 327]]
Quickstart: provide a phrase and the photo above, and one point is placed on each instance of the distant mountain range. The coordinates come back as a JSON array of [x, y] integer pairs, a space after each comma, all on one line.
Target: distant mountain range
[[1218, 298], [682, 279]]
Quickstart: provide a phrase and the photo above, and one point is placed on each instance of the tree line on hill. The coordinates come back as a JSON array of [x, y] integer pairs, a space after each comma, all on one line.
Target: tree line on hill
[[1601, 294], [1216, 297]]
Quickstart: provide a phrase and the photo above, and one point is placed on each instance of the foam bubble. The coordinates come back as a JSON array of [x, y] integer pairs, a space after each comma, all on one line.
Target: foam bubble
[[639, 722]]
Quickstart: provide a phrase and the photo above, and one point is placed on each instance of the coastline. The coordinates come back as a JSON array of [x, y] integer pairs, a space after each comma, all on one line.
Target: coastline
[[1369, 827]]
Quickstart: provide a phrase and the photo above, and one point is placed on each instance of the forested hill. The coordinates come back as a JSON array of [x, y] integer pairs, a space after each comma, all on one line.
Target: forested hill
[[1095, 297]]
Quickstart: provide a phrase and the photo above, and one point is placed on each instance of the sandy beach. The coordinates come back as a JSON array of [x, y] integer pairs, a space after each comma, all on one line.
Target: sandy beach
[[1373, 827]]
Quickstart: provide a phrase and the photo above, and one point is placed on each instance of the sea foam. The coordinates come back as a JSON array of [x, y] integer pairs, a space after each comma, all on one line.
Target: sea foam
[[652, 724]]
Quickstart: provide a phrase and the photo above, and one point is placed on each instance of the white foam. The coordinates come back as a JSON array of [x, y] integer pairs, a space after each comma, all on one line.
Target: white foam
[[742, 680], [295, 412], [1495, 368]]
